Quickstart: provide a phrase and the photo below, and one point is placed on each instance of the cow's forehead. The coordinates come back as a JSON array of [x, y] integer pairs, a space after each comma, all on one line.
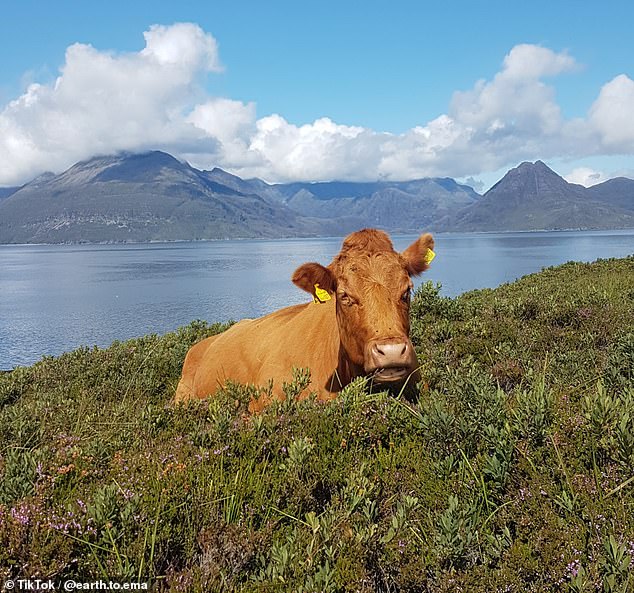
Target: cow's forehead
[[386, 268]]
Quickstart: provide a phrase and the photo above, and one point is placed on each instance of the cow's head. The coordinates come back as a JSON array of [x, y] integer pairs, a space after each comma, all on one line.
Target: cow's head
[[372, 286]]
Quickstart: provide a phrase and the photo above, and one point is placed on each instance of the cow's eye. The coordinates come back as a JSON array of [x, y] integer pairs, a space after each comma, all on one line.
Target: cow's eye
[[406, 295], [346, 299]]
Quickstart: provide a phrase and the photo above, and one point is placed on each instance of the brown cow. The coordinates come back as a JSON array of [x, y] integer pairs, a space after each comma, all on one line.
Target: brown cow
[[358, 324]]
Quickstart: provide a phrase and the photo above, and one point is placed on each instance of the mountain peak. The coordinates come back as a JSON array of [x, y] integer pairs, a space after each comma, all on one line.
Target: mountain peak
[[536, 167], [529, 179], [220, 174], [125, 166], [532, 196]]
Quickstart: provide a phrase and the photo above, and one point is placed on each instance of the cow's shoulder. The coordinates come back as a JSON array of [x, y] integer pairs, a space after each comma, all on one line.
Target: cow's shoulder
[[296, 318]]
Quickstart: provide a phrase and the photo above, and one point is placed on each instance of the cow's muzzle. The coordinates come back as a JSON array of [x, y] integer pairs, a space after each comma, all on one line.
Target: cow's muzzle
[[390, 360]]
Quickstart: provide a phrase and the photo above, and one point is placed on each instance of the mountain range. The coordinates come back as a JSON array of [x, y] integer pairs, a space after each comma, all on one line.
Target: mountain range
[[153, 196]]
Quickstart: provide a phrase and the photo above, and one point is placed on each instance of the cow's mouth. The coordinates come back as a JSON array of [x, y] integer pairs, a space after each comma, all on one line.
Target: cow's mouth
[[390, 374]]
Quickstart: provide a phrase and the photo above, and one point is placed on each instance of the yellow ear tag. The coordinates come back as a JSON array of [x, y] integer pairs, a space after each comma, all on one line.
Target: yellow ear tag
[[429, 256], [321, 295]]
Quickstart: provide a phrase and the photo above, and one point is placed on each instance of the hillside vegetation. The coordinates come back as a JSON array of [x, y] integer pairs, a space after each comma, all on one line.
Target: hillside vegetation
[[513, 472]]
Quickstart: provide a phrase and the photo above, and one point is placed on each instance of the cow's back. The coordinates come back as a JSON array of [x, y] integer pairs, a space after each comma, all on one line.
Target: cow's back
[[256, 351]]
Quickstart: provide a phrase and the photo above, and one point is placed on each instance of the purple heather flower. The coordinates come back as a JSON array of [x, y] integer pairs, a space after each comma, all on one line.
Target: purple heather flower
[[21, 514]]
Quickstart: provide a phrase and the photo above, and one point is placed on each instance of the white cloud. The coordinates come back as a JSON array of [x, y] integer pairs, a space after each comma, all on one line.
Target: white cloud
[[313, 151], [103, 102], [516, 103], [612, 115], [585, 176], [515, 115], [231, 124], [527, 61], [182, 43]]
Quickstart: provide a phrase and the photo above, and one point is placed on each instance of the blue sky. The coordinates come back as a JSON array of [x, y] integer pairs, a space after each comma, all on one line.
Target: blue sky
[[298, 90]]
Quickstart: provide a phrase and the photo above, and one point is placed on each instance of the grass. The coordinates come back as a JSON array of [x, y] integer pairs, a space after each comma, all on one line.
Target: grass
[[512, 472]]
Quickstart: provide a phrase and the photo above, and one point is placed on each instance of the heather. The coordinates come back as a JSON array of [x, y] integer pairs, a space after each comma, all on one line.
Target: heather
[[512, 470]]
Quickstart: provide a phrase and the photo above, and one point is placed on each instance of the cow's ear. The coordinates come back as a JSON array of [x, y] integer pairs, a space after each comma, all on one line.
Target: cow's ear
[[307, 275], [419, 254]]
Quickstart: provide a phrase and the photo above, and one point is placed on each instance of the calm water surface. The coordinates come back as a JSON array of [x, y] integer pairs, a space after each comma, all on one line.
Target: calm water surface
[[56, 298]]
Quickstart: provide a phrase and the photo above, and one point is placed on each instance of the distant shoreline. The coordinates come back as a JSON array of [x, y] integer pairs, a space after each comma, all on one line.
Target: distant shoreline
[[282, 238]]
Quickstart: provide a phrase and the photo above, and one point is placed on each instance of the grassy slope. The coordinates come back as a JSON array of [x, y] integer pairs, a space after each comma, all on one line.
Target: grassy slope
[[513, 471]]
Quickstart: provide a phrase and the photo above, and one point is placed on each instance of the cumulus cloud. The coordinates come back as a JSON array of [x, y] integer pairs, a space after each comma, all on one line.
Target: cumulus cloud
[[315, 150], [526, 61], [612, 115], [182, 44], [104, 102], [232, 125], [516, 100]]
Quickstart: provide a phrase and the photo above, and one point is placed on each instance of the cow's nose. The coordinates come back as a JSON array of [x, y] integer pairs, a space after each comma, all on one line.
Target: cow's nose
[[390, 354]]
